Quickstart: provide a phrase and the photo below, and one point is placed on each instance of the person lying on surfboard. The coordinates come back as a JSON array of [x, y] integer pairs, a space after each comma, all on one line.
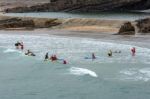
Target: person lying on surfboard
[[93, 56], [29, 53]]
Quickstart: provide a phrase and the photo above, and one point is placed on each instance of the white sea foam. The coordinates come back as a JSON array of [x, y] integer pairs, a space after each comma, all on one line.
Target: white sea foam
[[130, 73], [82, 71], [136, 74], [145, 71], [74, 48], [11, 51]]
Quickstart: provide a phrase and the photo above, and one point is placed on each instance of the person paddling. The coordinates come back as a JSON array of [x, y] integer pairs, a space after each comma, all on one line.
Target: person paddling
[[29, 53], [133, 50]]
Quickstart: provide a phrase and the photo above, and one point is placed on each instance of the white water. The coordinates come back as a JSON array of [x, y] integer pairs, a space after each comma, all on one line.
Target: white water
[[82, 71], [11, 51], [101, 15]]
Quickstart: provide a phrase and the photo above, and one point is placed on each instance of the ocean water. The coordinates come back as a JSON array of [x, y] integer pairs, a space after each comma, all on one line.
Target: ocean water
[[119, 77], [101, 15]]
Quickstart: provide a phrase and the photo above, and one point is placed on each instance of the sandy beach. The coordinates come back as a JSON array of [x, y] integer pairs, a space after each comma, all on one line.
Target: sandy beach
[[99, 29]]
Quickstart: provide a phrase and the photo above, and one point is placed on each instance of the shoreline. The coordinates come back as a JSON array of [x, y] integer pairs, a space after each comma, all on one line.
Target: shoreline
[[137, 40], [98, 29], [70, 24]]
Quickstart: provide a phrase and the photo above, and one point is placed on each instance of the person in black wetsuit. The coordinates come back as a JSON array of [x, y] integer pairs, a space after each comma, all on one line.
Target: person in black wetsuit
[[29, 53], [46, 56], [93, 56], [17, 44]]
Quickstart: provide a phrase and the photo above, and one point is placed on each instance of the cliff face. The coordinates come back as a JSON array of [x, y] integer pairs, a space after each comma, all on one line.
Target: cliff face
[[143, 25], [127, 29], [78, 24], [29, 23], [102, 5], [85, 6]]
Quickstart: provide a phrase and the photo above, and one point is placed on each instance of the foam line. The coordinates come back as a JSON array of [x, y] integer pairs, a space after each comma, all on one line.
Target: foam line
[[11, 51], [82, 71]]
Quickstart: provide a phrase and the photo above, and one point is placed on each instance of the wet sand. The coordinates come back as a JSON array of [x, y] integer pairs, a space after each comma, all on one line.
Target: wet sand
[[74, 24]]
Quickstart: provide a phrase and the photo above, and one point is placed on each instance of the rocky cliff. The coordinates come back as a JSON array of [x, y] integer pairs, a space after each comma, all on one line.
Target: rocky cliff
[[143, 25], [85, 6], [30, 23], [127, 29]]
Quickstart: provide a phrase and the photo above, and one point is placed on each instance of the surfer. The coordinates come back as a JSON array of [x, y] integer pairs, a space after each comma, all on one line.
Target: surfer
[[53, 58], [110, 53], [17, 44], [133, 50], [46, 56], [22, 46], [29, 53], [93, 56], [64, 62]]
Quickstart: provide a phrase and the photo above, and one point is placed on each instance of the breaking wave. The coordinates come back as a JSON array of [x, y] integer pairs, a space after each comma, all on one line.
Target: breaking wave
[[11, 51], [82, 71], [136, 74]]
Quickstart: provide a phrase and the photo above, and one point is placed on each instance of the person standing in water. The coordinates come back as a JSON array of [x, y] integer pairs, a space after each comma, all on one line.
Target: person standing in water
[[64, 62], [133, 51], [22, 46], [17, 44], [93, 56], [46, 56], [110, 53]]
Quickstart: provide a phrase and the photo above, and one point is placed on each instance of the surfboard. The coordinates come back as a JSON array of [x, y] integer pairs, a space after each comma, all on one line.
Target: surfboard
[[89, 58]]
